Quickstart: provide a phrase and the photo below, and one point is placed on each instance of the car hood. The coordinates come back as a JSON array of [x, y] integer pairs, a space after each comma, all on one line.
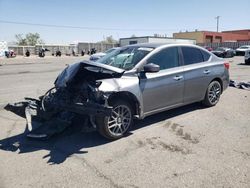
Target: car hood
[[86, 71]]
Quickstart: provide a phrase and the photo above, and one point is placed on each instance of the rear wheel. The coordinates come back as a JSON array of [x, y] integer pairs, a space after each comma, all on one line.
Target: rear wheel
[[212, 94], [116, 125]]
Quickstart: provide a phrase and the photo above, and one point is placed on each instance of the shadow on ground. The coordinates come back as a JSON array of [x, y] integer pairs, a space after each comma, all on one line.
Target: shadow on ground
[[74, 141]]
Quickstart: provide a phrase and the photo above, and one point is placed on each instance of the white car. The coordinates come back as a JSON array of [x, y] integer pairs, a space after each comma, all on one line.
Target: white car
[[241, 50], [99, 55], [247, 57]]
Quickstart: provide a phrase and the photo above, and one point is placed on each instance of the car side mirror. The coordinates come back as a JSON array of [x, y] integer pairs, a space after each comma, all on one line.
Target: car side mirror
[[151, 67]]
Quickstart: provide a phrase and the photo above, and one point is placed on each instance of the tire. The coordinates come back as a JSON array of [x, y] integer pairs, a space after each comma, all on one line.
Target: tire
[[232, 54], [118, 124], [212, 94]]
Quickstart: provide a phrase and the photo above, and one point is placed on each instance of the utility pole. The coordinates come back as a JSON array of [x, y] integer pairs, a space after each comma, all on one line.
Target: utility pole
[[218, 19]]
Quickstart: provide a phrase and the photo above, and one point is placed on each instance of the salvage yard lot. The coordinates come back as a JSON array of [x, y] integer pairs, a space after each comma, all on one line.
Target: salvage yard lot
[[190, 146]]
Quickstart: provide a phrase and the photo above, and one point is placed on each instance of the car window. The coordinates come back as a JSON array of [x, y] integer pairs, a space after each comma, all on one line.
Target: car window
[[205, 55], [110, 50], [166, 58], [191, 55], [125, 58]]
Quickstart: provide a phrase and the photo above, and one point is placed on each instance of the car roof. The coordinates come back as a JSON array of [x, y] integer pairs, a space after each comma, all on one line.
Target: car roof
[[156, 45]]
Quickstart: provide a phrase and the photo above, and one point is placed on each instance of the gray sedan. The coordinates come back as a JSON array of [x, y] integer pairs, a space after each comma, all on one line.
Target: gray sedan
[[131, 82]]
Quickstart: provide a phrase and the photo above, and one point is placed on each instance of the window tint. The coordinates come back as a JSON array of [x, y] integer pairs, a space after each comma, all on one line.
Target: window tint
[[133, 42], [205, 55], [191, 55], [166, 58]]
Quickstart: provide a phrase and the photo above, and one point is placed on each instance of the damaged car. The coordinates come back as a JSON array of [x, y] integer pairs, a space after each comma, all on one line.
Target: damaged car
[[129, 83]]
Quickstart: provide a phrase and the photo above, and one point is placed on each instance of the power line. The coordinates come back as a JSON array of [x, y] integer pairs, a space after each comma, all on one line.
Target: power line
[[81, 27], [88, 28]]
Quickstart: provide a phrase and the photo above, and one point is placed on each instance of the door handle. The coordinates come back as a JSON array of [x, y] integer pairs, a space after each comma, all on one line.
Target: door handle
[[177, 78], [206, 71]]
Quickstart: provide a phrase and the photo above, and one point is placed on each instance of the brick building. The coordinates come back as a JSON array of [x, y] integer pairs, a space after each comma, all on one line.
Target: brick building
[[215, 37]]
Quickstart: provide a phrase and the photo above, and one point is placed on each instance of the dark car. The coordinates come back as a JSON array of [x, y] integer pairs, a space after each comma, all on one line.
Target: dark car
[[224, 52], [247, 57]]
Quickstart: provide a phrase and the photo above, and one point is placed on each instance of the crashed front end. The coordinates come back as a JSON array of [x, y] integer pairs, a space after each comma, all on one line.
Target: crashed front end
[[75, 95]]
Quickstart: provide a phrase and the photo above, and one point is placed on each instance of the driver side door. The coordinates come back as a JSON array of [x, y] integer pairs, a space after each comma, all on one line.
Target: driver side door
[[165, 88]]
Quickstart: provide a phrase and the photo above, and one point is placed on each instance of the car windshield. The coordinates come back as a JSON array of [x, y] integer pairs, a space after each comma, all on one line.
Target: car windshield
[[125, 58], [109, 50]]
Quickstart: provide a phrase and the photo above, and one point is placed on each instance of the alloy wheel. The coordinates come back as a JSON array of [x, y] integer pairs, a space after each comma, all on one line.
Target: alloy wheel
[[119, 121], [214, 93]]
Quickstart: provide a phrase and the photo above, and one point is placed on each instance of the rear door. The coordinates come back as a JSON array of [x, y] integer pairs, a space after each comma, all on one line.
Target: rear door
[[197, 73], [164, 88]]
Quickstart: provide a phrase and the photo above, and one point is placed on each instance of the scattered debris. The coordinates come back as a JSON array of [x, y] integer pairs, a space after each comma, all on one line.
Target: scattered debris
[[240, 85]]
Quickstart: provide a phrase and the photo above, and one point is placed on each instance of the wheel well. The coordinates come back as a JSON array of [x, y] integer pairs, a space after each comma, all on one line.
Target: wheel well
[[220, 81], [128, 97]]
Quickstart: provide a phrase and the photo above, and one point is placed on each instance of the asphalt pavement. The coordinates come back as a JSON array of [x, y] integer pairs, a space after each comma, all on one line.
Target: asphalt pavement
[[191, 146]]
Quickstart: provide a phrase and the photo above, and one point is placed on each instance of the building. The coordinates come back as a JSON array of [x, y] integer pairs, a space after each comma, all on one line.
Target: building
[[154, 39], [215, 37]]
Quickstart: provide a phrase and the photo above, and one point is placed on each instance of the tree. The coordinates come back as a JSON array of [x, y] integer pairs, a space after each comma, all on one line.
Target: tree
[[20, 40], [33, 39], [30, 39], [110, 39]]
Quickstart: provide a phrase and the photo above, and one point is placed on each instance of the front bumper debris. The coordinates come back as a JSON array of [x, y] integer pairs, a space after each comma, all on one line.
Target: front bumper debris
[[42, 124]]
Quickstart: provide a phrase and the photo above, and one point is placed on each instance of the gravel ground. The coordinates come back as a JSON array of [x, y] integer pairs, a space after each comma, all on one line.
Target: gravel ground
[[190, 146]]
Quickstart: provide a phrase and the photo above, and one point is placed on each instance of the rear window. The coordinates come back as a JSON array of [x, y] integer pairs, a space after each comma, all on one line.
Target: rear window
[[192, 55]]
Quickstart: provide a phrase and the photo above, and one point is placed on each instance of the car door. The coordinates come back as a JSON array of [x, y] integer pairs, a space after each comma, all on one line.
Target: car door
[[164, 88], [197, 73]]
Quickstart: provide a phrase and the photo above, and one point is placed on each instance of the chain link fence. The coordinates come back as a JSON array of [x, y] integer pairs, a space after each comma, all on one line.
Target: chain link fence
[[232, 45]]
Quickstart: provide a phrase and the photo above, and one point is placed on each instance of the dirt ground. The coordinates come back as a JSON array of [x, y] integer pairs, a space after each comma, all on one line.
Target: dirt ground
[[190, 146]]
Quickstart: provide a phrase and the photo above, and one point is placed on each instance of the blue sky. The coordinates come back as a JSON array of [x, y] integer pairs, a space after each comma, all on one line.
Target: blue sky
[[118, 18]]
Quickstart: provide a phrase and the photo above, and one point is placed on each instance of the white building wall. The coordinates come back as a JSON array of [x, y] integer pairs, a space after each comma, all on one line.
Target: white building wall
[[138, 40], [124, 42], [171, 40]]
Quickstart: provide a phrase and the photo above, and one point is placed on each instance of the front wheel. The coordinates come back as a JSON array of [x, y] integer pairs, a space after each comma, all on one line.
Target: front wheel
[[212, 94], [116, 125]]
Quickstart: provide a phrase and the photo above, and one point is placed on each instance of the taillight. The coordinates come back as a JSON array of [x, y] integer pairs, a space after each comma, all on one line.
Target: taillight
[[226, 65]]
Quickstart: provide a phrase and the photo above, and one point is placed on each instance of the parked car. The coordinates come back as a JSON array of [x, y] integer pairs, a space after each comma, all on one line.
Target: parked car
[[132, 82], [247, 57], [241, 50], [224, 52], [99, 55]]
